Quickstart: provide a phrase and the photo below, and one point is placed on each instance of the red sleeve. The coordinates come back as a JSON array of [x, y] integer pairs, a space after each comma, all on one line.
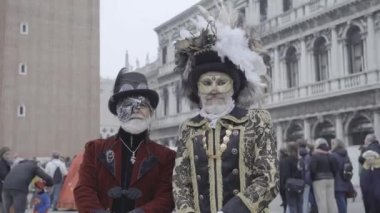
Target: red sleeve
[[163, 198], [85, 192]]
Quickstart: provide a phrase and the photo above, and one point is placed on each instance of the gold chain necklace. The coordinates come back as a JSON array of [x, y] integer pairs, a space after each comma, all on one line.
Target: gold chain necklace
[[133, 157], [223, 145]]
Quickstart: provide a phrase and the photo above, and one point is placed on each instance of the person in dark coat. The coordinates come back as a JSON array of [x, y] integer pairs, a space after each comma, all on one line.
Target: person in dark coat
[[283, 155], [305, 159], [292, 170], [342, 185], [323, 168], [127, 172], [370, 174], [5, 167], [16, 184]]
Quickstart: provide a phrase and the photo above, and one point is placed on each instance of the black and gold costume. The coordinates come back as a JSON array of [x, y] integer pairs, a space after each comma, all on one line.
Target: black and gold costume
[[232, 167]]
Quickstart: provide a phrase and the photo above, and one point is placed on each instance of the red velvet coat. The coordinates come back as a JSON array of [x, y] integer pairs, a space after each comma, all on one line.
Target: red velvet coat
[[101, 171]]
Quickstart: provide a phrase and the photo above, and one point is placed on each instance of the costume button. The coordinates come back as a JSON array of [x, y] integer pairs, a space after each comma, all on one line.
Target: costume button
[[195, 157], [235, 191], [234, 151], [235, 132], [235, 171], [198, 177], [201, 197]]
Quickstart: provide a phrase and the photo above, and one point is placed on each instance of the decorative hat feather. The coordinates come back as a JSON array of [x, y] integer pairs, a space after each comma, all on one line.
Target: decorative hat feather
[[223, 35]]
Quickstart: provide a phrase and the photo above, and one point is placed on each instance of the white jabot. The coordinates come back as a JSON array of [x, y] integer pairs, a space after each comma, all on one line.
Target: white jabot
[[213, 118]]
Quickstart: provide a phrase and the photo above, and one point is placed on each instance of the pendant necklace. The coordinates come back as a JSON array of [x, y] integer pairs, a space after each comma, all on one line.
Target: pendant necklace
[[133, 157]]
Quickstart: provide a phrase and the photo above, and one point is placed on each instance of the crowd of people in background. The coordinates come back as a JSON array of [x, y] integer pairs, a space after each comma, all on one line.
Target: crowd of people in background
[[316, 177], [21, 177]]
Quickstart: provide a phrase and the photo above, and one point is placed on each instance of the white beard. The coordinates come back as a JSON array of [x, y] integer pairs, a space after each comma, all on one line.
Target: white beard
[[136, 126], [217, 108]]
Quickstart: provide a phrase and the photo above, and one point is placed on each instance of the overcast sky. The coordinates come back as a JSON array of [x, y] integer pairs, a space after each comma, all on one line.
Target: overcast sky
[[128, 25]]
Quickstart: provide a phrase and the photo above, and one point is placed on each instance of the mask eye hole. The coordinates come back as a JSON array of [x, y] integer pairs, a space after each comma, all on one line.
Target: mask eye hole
[[221, 82], [206, 82]]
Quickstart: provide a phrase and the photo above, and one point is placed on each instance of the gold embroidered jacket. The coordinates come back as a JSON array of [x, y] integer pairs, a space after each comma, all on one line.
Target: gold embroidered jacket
[[231, 168]]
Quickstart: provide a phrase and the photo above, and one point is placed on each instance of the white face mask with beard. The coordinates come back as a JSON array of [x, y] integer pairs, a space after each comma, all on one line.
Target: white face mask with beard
[[134, 114], [215, 90]]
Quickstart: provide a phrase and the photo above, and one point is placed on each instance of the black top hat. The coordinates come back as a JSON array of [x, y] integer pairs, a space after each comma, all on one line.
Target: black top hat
[[129, 84]]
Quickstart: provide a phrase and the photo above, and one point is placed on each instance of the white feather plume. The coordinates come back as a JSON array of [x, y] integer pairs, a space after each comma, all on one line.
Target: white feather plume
[[232, 42], [184, 34]]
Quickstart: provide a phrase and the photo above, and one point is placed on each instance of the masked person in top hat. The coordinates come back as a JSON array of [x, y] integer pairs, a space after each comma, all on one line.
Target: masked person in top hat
[[226, 158], [127, 172]]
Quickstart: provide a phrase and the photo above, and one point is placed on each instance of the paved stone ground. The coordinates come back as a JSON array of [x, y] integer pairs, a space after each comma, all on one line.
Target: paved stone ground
[[353, 206]]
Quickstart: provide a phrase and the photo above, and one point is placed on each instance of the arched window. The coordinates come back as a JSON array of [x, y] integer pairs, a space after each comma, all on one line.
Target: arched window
[[178, 98], [263, 10], [321, 59], [21, 111], [287, 5], [22, 69], [358, 129], [355, 50], [268, 64], [164, 53], [325, 130], [292, 67], [294, 132], [166, 101]]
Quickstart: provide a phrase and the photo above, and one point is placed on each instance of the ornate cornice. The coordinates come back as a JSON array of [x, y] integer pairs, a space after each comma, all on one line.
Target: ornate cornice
[[310, 39], [272, 35], [343, 28], [283, 48]]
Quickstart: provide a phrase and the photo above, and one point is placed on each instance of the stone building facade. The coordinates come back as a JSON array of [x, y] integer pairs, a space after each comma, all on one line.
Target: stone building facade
[[323, 63], [49, 75]]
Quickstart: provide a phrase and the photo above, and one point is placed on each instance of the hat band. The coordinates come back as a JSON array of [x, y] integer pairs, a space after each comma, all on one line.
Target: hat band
[[128, 87]]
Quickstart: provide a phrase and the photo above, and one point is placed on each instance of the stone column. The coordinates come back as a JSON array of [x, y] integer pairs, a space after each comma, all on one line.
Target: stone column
[[279, 136], [334, 61], [376, 122], [276, 85], [160, 106], [339, 129], [307, 129], [172, 108], [343, 61], [371, 50], [185, 104], [282, 73], [303, 71]]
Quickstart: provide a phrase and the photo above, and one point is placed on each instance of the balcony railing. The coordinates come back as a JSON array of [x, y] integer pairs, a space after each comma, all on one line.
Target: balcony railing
[[172, 120], [298, 14], [352, 82], [166, 69]]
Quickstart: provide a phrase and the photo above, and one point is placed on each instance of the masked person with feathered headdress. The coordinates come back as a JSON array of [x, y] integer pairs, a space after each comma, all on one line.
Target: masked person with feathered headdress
[[226, 158]]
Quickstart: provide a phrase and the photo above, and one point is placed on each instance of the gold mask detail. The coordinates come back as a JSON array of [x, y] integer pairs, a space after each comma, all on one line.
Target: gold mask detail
[[215, 82]]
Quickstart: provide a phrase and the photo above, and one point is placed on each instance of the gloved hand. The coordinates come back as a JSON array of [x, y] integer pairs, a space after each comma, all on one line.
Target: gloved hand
[[133, 193], [138, 210], [115, 192], [98, 211]]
